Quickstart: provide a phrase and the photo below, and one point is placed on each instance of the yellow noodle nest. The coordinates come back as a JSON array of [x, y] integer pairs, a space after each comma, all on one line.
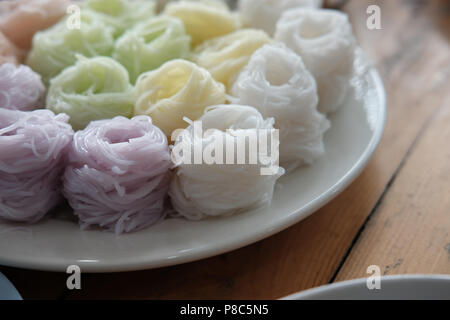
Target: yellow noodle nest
[[226, 56], [204, 19], [177, 89]]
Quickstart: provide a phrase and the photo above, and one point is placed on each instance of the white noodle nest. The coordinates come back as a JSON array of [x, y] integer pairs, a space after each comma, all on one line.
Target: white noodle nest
[[264, 14], [210, 190], [325, 41], [277, 83]]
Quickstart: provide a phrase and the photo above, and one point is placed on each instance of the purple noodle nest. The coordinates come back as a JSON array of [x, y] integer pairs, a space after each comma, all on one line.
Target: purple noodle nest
[[118, 175], [33, 146], [20, 88]]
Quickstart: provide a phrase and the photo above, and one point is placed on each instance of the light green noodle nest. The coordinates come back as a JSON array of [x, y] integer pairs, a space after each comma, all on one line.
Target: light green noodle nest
[[93, 89], [150, 44], [121, 14], [56, 48]]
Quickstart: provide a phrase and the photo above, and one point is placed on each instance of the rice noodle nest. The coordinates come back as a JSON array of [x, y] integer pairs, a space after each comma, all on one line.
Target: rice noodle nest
[[204, 19], [121, 15], [325, 41], [21, 19], [176, 90], [227, 55], [199, 191], [33, 147], [57, 48], [150, 44], [20, 88], [118, 175], [93, 89], [264, 14], [277, 83], [9, 52]]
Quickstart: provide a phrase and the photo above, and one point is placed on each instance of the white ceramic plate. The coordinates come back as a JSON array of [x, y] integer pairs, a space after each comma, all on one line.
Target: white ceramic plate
[[7, 290], [404, 287], [57, 243]]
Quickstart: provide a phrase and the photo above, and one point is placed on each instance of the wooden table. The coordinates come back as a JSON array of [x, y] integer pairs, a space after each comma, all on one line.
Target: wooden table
[[396, 215]]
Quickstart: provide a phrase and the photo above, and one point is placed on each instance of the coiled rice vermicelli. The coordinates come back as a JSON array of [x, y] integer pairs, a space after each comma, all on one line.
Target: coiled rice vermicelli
[[277, 83], [227, 55], [118, 174], [56, 48], [202, 190], [9, 52], [264, 14], [92, 89], [20, 88], [33, 146], [177, 89], [121, 15], [21, 19], [204, 19], [325, 41], [151, 43]]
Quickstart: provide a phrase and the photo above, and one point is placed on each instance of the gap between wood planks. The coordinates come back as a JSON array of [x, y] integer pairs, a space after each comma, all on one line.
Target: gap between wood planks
[[374, 211]]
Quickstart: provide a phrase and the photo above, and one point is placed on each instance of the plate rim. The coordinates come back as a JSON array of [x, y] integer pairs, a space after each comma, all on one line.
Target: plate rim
[[203, 252], [309, 293], [14, 293]]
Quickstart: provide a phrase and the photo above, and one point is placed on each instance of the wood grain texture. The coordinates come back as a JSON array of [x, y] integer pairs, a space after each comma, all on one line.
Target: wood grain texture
[[410, 231], [411, 53]]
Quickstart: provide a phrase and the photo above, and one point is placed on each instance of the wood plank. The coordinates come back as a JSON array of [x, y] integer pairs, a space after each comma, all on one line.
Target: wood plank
[[411, 53], [410, 231]]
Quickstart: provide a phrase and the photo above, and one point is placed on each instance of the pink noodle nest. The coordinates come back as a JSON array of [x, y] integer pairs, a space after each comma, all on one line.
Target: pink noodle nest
[[118, 176], [9, 52], [20, 88], [21, 19], [33, 146]]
